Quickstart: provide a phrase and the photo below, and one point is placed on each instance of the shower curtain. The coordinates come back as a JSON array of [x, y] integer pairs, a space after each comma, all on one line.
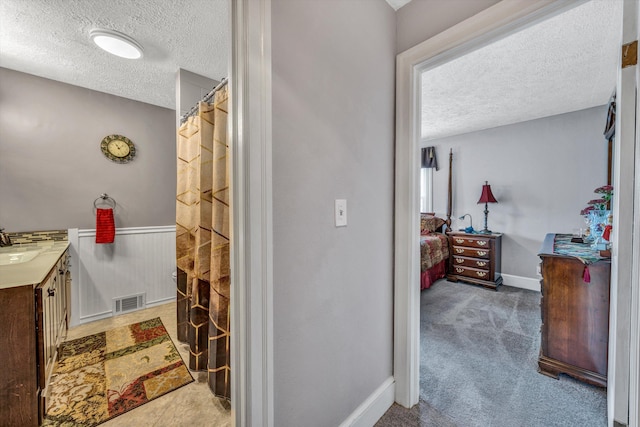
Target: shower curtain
[[202, 241]]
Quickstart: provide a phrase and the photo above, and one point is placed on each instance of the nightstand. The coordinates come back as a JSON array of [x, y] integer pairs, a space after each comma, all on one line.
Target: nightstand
[[475, 258]]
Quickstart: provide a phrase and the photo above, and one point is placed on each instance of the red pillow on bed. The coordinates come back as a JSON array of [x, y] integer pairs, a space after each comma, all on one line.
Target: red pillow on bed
[[429, 223]]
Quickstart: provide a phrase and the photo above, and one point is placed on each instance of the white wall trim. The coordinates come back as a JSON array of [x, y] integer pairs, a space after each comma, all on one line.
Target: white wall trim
[[624, 333], [495, 22], [634, 342], [88, 232], [109, 313], [521, 282], [140, 260], [374, 407], [251, 215]]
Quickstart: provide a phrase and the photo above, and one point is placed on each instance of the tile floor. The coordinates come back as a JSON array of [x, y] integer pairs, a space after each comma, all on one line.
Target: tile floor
[[192, 405]]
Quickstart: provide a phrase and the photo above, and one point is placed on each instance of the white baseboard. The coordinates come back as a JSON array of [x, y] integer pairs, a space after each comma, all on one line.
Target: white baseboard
[[157, 302], [521, 282], [374, 407]]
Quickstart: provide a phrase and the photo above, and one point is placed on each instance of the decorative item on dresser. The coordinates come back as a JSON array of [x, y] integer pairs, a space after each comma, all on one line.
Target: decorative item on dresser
[[476, 258], [575, 310]]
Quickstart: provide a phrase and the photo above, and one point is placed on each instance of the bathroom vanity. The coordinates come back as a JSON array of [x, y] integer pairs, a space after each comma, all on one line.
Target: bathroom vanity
[[34, 296]]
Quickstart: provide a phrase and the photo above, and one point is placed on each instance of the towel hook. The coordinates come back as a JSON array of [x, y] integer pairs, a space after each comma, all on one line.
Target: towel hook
[[106, 199]]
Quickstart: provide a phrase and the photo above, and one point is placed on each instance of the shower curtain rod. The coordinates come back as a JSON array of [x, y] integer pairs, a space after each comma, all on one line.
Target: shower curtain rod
[[205, 98]]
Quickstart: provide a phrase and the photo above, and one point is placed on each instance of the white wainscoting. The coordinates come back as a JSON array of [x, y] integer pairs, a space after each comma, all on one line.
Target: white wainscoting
[[141, 260]]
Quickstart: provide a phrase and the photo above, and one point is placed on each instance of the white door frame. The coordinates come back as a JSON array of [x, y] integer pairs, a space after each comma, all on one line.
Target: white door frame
[[495, 22], [624, 331], [251, 215], [488, 25]]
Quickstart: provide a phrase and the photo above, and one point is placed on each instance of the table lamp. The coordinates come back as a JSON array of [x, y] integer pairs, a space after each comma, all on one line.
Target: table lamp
[[486, 197]]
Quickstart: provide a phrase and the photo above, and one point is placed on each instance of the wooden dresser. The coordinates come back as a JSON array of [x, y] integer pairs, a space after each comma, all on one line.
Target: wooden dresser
[[575, 316], [475, 258]]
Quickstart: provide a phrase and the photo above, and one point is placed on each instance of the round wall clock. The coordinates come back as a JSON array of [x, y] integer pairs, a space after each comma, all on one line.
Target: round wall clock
[[118, 148]]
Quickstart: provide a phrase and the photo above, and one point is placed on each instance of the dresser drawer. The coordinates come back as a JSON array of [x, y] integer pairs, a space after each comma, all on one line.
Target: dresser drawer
[[472, 242], [471, 252], [472, 272], [460, 261]]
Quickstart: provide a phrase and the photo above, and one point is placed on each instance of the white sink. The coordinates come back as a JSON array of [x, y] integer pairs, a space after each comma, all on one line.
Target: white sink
[[18, 256]]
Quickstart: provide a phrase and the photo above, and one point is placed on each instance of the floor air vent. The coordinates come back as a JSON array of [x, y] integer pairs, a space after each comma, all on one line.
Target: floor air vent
[[130, 303]]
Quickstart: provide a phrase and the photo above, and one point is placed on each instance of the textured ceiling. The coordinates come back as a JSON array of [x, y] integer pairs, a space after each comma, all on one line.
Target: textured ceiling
[[50, 38], [563, 64]]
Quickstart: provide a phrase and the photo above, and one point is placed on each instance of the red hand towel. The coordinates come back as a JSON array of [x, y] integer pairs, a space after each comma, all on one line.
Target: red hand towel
[[105, 226], [607, 233]]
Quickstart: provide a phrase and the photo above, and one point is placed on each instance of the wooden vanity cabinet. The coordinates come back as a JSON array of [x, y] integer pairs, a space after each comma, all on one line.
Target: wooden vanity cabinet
[[34, 323], [19, 392]]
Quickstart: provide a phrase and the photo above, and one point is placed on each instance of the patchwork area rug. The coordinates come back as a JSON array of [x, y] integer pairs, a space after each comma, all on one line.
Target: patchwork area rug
[[104, 375]]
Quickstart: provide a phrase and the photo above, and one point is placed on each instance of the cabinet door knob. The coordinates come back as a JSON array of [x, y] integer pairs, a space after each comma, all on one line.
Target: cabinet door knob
[[481, 273], [458, 250], [459, 240], [459, 270], [459, 260], [482, 253], [481, 263], [482, 242]]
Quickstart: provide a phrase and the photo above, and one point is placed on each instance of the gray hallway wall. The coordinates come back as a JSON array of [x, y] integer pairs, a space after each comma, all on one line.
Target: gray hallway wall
[[333, 133]]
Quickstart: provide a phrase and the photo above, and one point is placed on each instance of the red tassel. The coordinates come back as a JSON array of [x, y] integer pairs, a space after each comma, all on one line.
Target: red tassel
[[606, 233], [586, 276]]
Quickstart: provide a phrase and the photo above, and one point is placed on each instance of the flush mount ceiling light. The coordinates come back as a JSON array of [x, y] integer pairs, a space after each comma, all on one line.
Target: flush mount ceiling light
[[116, 43]]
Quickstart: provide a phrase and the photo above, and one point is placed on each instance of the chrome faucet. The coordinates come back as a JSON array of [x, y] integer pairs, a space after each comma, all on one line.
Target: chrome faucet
[[4, 238]]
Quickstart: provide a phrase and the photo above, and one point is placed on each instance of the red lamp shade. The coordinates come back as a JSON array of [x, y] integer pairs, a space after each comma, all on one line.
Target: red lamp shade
[[487, 195]]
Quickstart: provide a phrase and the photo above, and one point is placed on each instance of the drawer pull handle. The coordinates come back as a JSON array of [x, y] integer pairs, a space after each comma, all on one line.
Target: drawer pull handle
[[481, 263], [459, 251], [482, 253], [460, 241], [482, 242], [481, 273], [459, 270], [459, 260]]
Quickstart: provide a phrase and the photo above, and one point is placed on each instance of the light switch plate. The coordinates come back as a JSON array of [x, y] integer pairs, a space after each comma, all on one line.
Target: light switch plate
[[341, 212]]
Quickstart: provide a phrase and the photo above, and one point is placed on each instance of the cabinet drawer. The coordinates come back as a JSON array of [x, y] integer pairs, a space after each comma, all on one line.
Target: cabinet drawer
[[471, 252], [460, 261], [473, 242], [472, 272]]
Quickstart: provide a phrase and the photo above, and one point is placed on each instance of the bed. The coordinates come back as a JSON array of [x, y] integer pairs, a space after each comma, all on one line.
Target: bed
[[434, 244], [434, 250]]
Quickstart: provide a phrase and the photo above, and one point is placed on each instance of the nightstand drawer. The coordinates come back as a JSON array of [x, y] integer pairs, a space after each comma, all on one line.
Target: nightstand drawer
[[460, 261], [472, 272], [471, 252], [475, 258], [473, 242]]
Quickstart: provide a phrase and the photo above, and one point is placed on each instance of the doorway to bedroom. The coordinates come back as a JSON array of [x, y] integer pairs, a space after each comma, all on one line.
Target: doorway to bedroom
[[526, 116]]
